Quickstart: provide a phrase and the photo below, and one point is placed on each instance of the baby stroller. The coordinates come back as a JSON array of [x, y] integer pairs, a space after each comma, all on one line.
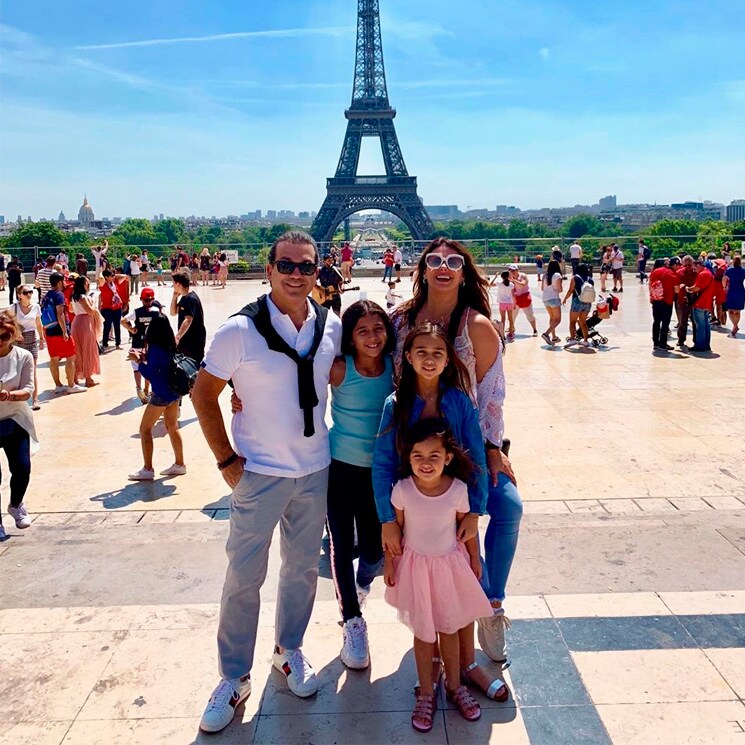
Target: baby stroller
[[604, 308]]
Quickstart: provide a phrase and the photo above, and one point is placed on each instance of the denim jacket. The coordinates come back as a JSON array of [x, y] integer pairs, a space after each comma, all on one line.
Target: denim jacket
[[460, 413]]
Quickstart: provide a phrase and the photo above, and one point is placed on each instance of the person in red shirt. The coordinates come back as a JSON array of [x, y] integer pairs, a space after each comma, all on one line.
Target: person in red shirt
[[719, 267], [687, 274], [388, 262], [113, 303], [701, 295], [347, 262], [663, 287]]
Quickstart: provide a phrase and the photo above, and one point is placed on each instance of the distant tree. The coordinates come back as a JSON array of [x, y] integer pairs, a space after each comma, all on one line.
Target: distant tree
[[170, 231], [78, 238], [581, 225], [41, 234], [136, 232]]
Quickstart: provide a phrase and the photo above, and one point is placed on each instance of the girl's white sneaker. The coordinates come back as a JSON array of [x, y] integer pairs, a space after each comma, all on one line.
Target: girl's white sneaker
[[144, 474]]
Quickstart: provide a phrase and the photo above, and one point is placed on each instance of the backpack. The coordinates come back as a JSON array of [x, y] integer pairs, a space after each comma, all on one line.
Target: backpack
[[184, 372], [48, 314], [647, 252], [587, 293]]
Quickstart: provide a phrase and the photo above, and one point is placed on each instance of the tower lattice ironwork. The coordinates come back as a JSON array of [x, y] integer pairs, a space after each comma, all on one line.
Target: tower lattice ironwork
[[371, 115]]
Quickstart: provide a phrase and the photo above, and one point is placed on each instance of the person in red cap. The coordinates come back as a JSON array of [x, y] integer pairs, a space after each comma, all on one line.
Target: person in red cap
[[136, 323]]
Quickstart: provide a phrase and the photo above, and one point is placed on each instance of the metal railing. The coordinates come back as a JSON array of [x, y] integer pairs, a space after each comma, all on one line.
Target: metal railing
[[485, 251]]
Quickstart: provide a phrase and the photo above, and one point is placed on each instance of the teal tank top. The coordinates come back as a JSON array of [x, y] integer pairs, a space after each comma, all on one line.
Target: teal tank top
[[356, 407]]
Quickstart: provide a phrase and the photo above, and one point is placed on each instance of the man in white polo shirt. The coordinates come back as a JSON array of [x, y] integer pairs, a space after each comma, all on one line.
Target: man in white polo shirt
[[575, 254], [278, 353]]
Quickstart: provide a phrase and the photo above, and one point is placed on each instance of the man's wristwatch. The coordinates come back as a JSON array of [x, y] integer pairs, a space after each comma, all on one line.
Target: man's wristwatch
[[232, 458]]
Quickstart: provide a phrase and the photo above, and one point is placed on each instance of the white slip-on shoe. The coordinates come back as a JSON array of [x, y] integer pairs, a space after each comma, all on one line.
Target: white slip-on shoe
[[301, 677], [223, 703], [144, 474], [174, 470]]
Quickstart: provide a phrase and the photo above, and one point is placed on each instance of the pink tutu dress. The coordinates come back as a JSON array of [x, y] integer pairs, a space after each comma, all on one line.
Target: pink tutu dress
[[436, 589]]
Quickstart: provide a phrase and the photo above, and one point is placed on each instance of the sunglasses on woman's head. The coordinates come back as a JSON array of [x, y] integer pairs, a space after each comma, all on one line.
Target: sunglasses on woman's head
[[454, 262], [306, 268]]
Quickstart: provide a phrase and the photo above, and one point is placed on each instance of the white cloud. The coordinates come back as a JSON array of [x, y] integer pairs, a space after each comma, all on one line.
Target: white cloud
[[282, 33]]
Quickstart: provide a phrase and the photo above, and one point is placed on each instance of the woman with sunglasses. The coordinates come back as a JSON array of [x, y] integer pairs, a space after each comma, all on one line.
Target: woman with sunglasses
[[28, 316], [16, 420], [450, 291]]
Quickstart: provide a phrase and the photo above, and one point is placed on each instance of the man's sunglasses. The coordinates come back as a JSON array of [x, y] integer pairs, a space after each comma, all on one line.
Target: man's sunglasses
[[306, 268], [454, 262]]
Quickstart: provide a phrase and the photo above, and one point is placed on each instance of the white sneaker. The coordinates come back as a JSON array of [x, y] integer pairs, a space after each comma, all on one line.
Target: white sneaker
[[362, 593], [20, 515], [223, 703], [174, 470], [76, 388], [491, 635], [355, 652], [301, 677], [144, 474], [60, 389]]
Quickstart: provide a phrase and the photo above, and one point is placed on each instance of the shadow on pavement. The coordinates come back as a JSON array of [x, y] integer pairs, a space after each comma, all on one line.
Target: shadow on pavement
[[137, 491]]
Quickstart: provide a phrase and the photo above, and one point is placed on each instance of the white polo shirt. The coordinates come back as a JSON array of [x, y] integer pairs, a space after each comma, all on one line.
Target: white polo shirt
[[575, 251], [268, 433]]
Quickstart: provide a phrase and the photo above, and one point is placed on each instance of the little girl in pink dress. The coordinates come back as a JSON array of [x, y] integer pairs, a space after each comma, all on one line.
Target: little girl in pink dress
[[435, 583]]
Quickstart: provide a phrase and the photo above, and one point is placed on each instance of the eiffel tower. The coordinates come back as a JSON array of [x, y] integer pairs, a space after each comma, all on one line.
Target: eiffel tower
[[371, 115]]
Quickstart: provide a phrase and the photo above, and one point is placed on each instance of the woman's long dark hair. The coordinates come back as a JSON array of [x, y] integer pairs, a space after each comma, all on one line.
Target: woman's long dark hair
[[160, 334], [352, 315], [78, 288], [460, 467], [455, 375], [473, 293], [553, 268]]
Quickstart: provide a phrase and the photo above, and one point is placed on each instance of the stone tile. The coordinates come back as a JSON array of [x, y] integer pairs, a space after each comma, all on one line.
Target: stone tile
[[152, 731], [161, 674], [725, 503], [123, 518], [52, 519], [694, 723], [620, 506], [731, 665], [496, 727], [58, 688], [553, 507], [347, 727], [542, 670], [160, 517], [585, 505], [86, 519], [564, 725], [32, 733], [690, 504], [724, 630], [606, 604], [655, 504], [172, 617], [195, 516], [651, 676], [527, 606], [616, 634], [67, 620], [704, 603]]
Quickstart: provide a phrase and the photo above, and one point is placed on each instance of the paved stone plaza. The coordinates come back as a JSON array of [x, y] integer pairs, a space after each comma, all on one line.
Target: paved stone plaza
[[627, 594]]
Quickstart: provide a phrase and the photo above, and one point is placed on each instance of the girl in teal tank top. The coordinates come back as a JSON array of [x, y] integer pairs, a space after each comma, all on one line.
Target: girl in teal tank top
[[361, 381]]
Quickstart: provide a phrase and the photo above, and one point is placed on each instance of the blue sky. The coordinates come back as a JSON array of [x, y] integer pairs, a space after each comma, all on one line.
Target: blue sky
[[229, 106]]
